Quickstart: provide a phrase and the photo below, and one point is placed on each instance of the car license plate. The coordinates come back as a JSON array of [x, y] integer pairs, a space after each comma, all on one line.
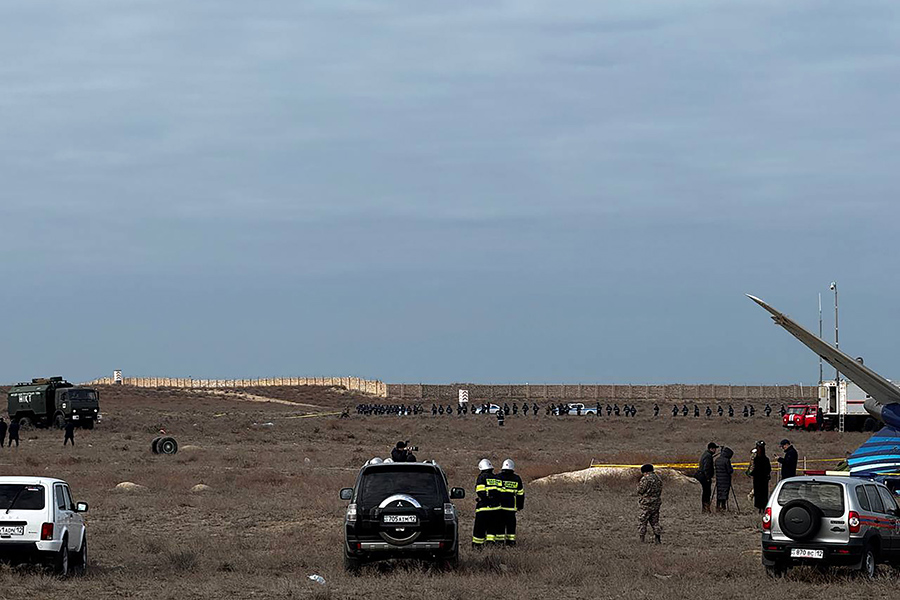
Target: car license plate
[[7, 531], [807, 553], [401, 519]]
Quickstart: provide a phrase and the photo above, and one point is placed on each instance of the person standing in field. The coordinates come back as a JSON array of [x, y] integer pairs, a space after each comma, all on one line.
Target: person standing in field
[[724, 469], [761, 471], [789, 460], [705, 474], [2, 432], [650, 492], [512, 500], [70, 433], [487, 505], [14, 433]]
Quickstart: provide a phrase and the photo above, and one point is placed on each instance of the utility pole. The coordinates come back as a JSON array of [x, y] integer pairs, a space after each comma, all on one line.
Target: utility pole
[[837, 374], [820, 337]]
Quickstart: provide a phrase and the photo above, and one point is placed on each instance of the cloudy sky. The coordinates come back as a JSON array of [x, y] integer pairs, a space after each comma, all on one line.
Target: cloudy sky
[[484, 191]]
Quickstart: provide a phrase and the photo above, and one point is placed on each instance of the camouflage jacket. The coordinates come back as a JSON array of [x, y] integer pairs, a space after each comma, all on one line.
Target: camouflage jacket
[[650, 490]]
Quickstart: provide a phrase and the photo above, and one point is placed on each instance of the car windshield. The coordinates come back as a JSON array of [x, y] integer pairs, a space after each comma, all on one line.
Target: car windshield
[[829, 497], [17, 496], [796, 410], [82, 395], [419, 482]]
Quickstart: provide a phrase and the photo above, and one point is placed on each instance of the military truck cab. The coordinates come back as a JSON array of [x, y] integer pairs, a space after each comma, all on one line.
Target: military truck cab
[[53, 401]]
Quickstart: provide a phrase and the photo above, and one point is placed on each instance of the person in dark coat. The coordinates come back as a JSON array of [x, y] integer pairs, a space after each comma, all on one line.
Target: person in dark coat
[[723, 479], [788, 461], [14, 433], [3, 428], [705, 473], [761, 471], [70, 433]]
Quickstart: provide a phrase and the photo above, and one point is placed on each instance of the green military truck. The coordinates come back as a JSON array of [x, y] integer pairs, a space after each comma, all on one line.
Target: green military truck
[[53, 401]]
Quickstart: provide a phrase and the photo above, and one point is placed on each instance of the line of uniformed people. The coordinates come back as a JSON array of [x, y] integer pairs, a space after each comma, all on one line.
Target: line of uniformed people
[[498, 497]]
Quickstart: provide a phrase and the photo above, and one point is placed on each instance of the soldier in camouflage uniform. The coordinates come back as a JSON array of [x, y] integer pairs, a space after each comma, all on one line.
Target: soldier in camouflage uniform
[[650, 491]]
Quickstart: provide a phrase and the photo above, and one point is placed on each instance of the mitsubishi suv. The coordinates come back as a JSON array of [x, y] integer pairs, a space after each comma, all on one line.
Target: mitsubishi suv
[[40, 523], [401, 510], [830, 521]]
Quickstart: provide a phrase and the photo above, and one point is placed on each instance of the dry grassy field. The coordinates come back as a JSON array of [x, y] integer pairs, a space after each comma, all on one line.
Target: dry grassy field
[[272, 515]]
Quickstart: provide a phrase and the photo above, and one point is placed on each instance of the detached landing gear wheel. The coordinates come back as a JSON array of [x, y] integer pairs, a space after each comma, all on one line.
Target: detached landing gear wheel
[[154, 445], [167, 445]]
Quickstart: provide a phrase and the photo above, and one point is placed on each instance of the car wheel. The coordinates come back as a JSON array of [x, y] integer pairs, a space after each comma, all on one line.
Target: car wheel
[[89, 424], [868, 566], [351, 565], [25, 423], [167, 445], [154, 445], [61, 565], [80, 560], [59, 422]]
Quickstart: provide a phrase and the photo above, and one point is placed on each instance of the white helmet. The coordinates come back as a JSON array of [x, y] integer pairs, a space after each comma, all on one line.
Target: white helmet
[[484, 464], [508, 465]]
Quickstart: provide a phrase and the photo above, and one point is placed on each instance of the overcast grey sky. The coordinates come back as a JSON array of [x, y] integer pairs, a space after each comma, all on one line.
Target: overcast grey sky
[[478, 191]]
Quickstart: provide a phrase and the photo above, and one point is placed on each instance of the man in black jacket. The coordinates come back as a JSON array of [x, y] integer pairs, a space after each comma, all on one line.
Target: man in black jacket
[[789, 460], [401, 453], [14, 432], [705, 474]]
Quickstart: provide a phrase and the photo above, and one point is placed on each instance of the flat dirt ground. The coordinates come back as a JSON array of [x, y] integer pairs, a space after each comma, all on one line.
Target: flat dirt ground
[[272, 516]]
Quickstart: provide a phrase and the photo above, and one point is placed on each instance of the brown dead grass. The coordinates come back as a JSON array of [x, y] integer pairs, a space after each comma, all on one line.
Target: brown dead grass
[[273, 516]]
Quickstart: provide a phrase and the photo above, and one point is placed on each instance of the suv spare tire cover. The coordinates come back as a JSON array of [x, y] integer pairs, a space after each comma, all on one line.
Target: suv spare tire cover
[[800, 520], [402, 504]]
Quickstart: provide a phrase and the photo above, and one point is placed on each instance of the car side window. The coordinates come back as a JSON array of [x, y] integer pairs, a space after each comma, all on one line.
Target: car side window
[[69, 504], [889, 502], [874, 499], [60, 498], [863, 499]]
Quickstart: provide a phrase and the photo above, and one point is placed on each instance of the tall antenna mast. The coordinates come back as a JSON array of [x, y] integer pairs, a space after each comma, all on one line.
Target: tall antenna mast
[[820, 337]]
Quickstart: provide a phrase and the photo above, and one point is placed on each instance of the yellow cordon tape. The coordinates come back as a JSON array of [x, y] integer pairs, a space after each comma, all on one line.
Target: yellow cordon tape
[[311, 415], [694, 465]]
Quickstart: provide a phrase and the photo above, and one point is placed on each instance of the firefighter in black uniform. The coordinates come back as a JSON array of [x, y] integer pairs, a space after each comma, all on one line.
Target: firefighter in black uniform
[[487, 505], [512, 500]]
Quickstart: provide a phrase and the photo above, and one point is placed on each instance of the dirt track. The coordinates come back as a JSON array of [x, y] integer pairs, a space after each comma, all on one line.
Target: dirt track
[[273, 516]]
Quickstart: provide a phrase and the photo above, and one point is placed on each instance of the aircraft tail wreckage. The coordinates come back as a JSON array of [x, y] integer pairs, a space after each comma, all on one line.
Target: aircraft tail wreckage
[[880, 455]]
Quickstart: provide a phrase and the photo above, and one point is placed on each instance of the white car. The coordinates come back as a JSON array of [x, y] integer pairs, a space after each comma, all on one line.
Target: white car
[[491, 408], [40, 523]]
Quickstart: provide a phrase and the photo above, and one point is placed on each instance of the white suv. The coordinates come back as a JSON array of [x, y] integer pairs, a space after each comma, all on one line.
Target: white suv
[[40, 523]]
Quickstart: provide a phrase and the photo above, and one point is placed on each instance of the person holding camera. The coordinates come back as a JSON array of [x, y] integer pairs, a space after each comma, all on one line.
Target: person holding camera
[[402, 452]]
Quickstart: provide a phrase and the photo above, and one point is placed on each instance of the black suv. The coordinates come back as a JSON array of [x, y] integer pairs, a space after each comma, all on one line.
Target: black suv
[[401, 510]]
